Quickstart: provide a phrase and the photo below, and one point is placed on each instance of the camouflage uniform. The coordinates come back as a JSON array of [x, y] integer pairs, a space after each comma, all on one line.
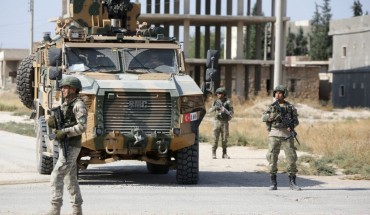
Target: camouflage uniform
[[65, 170], [221, 123], [275, 117]]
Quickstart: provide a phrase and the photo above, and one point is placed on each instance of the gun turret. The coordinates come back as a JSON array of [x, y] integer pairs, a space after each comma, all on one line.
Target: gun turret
[[102, 17]]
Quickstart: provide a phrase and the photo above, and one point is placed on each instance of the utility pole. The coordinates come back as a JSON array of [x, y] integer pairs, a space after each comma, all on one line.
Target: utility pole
[[31, 33], [278, 74]]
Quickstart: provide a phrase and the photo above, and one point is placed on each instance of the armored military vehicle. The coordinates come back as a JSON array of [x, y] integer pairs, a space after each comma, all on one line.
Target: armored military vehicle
[[141, 104]]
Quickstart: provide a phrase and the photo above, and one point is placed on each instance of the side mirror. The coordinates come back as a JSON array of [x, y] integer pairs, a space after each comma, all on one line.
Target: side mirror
[[212, 58], [212, 75], [55, 73]]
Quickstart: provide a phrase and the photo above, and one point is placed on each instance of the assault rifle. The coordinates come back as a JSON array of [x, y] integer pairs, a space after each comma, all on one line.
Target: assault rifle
[[57, 112], [219, 106], [287, 122]]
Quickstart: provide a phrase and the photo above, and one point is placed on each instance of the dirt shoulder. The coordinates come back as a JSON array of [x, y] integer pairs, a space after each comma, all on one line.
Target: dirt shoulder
[[251, 163]]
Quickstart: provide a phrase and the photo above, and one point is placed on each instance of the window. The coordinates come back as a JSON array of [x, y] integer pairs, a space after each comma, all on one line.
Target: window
[[92, 59], [268, 86], [341, 91], [292, 85], [150, 60], [344, 51]]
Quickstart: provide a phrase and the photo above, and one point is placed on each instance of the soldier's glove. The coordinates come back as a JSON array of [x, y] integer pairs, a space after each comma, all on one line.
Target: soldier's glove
[[60, 135], [52, 122]]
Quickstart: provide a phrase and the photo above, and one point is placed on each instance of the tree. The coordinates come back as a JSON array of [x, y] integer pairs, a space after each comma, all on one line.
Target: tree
[[297, 44], [290, 45], [252, 52], [202, 39], [301, 43], [252, 42], [328, 40], [357, 8], [320, 41]]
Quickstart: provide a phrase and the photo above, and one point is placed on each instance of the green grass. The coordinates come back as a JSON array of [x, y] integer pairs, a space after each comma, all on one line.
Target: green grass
[[9, 108], [26, 129], [310, 165], [203, 138]]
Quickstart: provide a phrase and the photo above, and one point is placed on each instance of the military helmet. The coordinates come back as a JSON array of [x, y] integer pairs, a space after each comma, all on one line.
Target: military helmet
[[221, 90], [280, 88], [72, 82]]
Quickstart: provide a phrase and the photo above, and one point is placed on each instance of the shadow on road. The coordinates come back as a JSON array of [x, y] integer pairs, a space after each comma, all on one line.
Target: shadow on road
[[138, 175]]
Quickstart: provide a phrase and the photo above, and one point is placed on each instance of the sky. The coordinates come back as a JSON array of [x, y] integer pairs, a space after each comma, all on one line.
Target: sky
[[15, 18]]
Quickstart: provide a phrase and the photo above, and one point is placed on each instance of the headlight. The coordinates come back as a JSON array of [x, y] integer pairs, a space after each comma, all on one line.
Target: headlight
[[184, 99], [190, 104]]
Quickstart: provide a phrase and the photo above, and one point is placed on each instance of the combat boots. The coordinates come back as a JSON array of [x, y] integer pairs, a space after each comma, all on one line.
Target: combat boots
[[214, 154], [76, 210], [224, 154], [292, 184], [54, 210], [273, 182]]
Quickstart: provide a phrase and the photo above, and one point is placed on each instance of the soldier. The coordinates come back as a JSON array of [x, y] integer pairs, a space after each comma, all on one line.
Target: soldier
[[65, 170], [153, 61], [224, 111], [281, 117]]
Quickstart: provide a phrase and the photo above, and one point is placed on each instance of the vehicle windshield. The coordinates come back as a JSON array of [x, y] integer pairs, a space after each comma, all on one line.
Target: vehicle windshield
[[150, 60], [92, 59]]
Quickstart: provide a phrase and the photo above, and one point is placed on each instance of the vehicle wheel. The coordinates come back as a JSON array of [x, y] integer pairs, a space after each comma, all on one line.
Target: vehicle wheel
[[157, 169], [44, 163], [24, 80], [188, 164]]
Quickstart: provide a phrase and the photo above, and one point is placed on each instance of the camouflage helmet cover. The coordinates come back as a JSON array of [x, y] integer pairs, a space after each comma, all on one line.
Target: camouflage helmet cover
[[221, 90], [280, 88], [72, 82]]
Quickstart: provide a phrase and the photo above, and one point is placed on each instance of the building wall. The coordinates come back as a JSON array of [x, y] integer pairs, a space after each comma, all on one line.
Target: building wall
[[302, 82], [351, 43], [9, 61], [351, 89], [350, 64]]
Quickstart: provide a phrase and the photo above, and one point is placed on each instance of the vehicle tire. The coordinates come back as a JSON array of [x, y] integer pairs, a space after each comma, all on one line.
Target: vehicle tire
[[44, 163], [188, 163], [157, 169], [24, 80]]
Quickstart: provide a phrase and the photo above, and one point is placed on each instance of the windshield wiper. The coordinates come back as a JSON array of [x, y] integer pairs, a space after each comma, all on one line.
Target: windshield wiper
[[95, 68]]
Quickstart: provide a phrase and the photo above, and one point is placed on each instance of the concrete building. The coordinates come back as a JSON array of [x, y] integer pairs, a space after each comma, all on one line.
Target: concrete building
[[350, 64], [9, 62], [238, 74], [304, 24], [308, 79]]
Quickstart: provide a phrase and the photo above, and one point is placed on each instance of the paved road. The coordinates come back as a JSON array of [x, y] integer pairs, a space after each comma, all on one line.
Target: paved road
[[235, 186]]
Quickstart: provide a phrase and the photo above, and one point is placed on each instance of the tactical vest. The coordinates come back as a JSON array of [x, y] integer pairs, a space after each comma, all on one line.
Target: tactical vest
[[283, 114], [223, 116], [70, 120], [69, 116]]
